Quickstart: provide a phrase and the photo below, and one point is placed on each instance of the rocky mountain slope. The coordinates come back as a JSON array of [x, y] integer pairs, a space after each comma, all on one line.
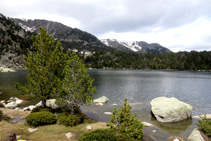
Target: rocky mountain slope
[[14, 43], [136, 46], [71, 38]]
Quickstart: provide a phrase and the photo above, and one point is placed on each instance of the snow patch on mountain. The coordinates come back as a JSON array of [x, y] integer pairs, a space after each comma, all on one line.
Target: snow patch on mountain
[[132, 45], [26, 28]]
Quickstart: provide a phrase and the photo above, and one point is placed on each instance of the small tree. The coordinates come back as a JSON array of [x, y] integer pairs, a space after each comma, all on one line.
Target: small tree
[[204, 125], [125, 125], [55, 74], [76, 86]]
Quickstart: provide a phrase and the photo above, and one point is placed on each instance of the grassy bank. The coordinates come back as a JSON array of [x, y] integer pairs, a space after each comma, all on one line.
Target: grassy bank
[[50, 132]]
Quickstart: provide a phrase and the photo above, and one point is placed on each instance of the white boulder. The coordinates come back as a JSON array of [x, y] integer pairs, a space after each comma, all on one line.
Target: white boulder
[[195, 136], [31, 107], [102, 99], [52, 103], [69, 135], [89, 127], [32, 129], [11, 105], [39, 104], [170, 109], [107, 113], [17, 100]]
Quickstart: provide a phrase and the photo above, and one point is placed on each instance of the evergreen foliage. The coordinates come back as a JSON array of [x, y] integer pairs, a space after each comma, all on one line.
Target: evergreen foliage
[[69, 120], [169, 61], [40, 118], [127, 127], [99, 135], [205, 125], [56, 74]]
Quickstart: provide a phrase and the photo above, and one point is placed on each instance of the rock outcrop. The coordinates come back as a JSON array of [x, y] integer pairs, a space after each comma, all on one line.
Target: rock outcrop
[[170, 109]]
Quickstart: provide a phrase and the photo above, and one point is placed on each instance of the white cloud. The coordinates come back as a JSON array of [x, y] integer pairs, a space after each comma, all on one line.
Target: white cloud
[[178, 25]]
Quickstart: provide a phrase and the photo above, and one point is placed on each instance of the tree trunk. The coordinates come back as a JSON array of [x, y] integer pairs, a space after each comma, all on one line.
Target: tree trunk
[[44, 103], [72, 109]]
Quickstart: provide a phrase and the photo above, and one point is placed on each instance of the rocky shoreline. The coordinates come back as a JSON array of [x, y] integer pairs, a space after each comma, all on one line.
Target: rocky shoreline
[[196, 134]]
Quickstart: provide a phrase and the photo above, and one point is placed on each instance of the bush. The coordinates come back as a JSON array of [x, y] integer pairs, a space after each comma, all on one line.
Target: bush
[[99, 135], [40, 118], [40, 109], [69, 119], [205, 125], [1, 115], [127, 127]]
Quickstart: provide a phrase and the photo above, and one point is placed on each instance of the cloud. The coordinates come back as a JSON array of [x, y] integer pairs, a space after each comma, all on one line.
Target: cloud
[[177, 25]]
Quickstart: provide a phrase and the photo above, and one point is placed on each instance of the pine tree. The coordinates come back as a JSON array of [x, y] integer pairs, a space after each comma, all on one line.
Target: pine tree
[[56, 74], [126, 126]]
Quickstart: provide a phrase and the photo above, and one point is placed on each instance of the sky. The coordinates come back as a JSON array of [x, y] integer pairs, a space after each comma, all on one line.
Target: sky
[[180, 25]]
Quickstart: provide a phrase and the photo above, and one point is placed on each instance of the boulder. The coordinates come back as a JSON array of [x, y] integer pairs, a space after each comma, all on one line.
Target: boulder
[[170, 109], [107, 113], [89, 127], [147, 124], [52, 103], [17, 100], [32, 129], [31, 107], [195, 136], [39, 104], [102, 99], [11, 105]]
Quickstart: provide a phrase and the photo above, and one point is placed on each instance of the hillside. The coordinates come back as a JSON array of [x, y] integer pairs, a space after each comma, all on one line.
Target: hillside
[[71, 38]]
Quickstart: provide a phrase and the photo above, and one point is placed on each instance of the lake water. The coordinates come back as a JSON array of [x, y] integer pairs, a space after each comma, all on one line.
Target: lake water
[[140, 87]]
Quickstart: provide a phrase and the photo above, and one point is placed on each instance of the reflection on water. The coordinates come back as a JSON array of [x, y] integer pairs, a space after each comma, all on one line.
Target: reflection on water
[[173, 128], [140, 87]]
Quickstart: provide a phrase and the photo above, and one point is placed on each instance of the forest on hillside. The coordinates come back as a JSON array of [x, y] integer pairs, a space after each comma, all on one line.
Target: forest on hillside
[[169, 61]]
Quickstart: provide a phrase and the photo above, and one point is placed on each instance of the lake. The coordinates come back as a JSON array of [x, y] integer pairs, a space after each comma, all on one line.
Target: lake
[[140, 87]]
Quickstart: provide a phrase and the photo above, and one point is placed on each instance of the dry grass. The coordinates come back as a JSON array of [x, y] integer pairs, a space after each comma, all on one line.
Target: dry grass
[[44, 133]]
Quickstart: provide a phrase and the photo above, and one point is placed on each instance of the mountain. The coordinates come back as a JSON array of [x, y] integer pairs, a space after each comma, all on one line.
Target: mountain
[[71, 38], [136, 46], [14, 43]]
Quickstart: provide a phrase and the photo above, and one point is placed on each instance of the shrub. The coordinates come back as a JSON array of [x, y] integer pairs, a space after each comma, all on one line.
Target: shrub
[[127, 127], [69, 119], [1, 115], [99, 135], [40, 109], [205, 125], [41, 118]]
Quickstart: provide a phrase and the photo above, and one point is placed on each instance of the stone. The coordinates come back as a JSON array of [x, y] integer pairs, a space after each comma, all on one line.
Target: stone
[[11, 105], [102, 99], [26, 109], [107, 113], [147, 124], [99, 104], [154, 131], [69, 135], [31, 107], [32, 129], [195, 136], [51, 103], [170, 109], [89, 127], [17, 100], [114, 104], [6, 70], [39, 104], [198, 117]]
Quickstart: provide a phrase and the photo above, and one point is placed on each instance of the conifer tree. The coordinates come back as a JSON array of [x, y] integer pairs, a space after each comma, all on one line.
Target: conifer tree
[[56, 74], [127, 126]]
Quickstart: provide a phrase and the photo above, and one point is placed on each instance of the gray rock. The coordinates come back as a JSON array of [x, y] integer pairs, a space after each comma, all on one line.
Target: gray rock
[[147, 124], [69, 135], [107, 113], [32, 129], [170, 109], [195, 136], [31, 107], [102, 99], [11, 105], [99, 104], [52, 103], [39, 104]]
